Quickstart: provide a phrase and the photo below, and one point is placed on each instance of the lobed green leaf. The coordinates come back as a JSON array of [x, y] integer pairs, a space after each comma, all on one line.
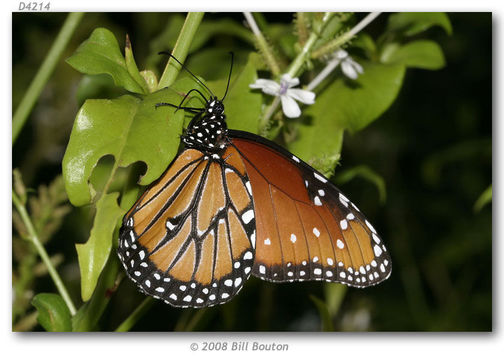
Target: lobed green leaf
[[130, 129], [100, 54]]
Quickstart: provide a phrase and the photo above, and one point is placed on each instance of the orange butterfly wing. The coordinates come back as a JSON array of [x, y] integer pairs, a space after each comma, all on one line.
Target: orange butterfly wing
[[306, 229], [187, 240]]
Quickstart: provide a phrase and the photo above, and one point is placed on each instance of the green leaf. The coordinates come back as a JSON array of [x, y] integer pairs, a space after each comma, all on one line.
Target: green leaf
[[345, 104], [324, 313], [412, 23], [93, 255], [53, 314], [100, 54], [485, 198], [423, 54], [366, 173], [128, 128], [89, 314], [132, 66]]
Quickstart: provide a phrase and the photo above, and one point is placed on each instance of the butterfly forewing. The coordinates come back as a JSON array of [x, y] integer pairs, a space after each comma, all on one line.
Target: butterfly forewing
[[306, 229], [189, 239]]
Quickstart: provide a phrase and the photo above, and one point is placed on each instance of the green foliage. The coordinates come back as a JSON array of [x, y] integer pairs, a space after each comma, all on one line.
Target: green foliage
[[346, 105], [89, 313], [53, 313], [94, 253], [413, 23], [422, 54]]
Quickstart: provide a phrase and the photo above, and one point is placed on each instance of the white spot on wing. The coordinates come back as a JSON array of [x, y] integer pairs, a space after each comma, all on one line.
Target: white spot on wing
[[248, 216], [319, 177]]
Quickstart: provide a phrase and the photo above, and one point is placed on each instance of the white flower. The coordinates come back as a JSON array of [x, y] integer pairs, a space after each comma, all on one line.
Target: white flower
[[349, 67], [287, 94]]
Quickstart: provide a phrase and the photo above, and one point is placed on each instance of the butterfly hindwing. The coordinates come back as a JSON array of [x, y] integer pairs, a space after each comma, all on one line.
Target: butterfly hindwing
[[189, 239], [306, 228]]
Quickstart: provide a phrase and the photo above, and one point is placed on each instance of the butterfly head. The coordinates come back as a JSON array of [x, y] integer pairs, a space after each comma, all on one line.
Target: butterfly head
[[215, 107]]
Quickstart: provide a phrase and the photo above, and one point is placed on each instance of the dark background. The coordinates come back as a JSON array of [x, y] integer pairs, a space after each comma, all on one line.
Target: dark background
[[433, 148]]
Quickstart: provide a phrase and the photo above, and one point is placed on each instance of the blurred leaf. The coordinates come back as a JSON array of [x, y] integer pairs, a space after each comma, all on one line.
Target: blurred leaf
[[128, 128], [94, 253], [18, 185], [213, 64], [345, 104], [469, 150], [53, 314], [324, 314], [366, 43], [485, 198], [334, 295], [100, 54], [423, 54], [366, 173], [412, 23], [89, 314]]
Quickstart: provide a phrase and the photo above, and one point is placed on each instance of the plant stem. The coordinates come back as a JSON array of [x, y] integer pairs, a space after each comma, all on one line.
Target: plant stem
[[43, 254], [181, 49], [46, 69], [299, 61], [131, 320], [336, 43], [263, 45], [296, 67]]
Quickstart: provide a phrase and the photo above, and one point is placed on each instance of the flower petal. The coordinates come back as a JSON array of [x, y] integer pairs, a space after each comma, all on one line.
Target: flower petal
[[269, 87], [291, 82], [341, 54], [290, 107], [357, 66], [349, 70], [304, 96]]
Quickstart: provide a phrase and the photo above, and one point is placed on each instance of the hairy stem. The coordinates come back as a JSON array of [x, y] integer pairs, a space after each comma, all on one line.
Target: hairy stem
[[336, 43], [263, 45]]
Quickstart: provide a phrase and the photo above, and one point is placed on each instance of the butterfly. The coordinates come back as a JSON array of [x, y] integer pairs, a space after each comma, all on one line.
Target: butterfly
[[234, 204]]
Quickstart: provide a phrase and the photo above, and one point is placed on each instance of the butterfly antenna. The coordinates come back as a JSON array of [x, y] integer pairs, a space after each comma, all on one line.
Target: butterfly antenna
[[229, 77], [186, 69]]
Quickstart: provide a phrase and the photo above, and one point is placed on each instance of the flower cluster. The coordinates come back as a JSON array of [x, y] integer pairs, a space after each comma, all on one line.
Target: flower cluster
[[287, 94]]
